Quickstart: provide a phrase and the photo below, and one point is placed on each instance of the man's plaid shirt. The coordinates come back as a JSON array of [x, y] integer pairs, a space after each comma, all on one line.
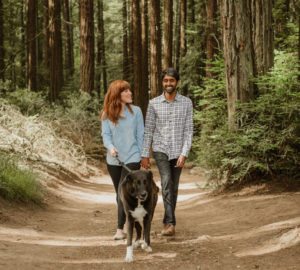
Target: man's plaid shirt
[[169, 126]]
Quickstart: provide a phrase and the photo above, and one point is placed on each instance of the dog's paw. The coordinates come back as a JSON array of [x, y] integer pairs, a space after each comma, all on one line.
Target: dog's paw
[[129, 254], [146, 247], [136, 244], [128, 259]]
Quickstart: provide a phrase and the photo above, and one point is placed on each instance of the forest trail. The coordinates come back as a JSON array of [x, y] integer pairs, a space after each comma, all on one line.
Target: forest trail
[[237, 230]]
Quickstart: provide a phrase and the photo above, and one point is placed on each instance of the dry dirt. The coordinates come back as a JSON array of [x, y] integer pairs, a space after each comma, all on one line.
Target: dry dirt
[[245, 229]]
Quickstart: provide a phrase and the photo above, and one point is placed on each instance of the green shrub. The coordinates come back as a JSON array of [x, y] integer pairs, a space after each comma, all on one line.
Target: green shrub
[[18, 184], [266, 143]]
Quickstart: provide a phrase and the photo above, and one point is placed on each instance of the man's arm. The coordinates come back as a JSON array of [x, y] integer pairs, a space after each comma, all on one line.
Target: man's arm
[[148, 135], [188, 131]]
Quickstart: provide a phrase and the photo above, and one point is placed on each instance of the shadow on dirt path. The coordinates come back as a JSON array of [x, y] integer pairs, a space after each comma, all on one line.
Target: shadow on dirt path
[[238, 230]]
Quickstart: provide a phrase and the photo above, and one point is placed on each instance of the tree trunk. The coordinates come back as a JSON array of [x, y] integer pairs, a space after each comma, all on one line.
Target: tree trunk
[[2, 64], [126, 68], [31, 44], [55, 48], [22, 82], [69, 61], [211, 34], [155, 48], [102, 46], [138, 88], [262, 36], [87, 54], [98, 56], [177, 36], [168, 34], [237, 54], [182, 28], [46, 35], [144, 63]]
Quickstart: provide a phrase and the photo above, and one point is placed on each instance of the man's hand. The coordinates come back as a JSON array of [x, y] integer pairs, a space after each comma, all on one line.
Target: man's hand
[[113, 151], [145, 163], [180, 162]]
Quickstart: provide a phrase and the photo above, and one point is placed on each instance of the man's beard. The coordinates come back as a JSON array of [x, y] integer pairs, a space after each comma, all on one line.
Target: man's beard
[[170, 91]]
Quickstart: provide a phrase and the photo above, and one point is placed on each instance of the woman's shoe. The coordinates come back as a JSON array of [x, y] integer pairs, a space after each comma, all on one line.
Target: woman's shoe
[[119, 235]]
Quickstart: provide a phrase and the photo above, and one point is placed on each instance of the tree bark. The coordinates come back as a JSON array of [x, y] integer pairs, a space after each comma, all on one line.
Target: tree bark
[[145, 39], [177, 36], [102, 45], [87, 53], [46, 35], [126, 68], [168, 34], [211, 34], [31, 44], [2, 52], [139, 90], [98, 55], [182, 28], [55, 49], [262, 36], [155, 48], [237, 54], [22, 82], [69, 60]]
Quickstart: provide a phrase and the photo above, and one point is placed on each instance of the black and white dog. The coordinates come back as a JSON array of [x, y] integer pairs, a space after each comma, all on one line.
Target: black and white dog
[[139, 194]]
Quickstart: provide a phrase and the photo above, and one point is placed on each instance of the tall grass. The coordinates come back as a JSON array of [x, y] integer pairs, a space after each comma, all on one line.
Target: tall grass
[[18, 184]]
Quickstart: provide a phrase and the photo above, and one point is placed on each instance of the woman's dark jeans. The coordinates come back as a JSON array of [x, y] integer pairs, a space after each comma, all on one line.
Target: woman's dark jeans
[[117, 173], [169, 184]]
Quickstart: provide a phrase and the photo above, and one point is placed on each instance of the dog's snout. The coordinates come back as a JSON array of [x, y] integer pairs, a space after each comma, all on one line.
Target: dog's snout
[[144, 194]]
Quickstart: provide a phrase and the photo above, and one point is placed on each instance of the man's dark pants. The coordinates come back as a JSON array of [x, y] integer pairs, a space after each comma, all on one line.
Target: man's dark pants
[[169, 184]]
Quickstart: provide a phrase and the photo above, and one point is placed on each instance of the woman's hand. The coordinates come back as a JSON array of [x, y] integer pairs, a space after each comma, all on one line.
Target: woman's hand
[[113, 151]]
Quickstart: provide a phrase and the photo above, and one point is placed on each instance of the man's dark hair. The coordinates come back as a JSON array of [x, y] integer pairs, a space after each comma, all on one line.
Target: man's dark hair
[[171, 72]]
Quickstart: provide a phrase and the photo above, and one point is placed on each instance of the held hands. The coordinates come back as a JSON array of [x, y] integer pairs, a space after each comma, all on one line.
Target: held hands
[[145, 163], [113, 151], [180, 162]]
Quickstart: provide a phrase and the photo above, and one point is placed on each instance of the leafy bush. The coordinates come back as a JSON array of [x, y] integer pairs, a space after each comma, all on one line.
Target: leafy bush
[[266, 143], [18, 184]]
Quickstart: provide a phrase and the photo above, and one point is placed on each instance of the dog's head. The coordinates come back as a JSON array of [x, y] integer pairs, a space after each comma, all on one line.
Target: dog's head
[[139, 184]]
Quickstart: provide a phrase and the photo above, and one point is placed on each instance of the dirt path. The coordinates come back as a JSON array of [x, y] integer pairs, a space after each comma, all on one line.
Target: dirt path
[[234, 231]]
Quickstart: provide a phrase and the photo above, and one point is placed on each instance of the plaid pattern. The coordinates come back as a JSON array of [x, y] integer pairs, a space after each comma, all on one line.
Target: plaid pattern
[[169, 126]]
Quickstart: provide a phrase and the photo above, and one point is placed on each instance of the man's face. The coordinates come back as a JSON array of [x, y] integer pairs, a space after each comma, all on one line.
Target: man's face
[[169, 84]]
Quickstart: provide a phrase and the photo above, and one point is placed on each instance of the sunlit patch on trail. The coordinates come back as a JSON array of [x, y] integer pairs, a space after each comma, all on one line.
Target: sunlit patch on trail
[[288, 239], [30, 236]]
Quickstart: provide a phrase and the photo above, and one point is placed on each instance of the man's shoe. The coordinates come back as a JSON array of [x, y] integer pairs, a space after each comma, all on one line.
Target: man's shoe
[[168, 230]]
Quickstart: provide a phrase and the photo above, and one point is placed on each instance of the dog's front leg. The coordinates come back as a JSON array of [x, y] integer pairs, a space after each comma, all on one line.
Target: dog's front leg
[[147, 226], [129, 252]]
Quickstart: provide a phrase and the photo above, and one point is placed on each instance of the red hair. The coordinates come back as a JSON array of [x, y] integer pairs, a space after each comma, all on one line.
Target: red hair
[[112, 101]]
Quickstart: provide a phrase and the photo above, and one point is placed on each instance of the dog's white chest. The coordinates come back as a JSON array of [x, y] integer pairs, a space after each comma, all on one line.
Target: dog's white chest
[[139, 213]]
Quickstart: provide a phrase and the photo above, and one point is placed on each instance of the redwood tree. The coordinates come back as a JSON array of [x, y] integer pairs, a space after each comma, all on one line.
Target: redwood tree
[[262, 33], [55, 49], [237, 53], [168, 34], [126, 68], [87, 54], [211, 33], [155, 48], [31, 44], [1, 43], [46, 34], [144, 41], [69, 57]]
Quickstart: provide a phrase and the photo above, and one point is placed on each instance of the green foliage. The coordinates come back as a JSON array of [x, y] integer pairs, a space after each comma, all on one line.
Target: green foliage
[[266, 141], [18, 184]]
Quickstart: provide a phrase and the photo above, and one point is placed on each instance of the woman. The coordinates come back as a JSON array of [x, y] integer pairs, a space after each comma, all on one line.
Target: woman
[[122, 134]]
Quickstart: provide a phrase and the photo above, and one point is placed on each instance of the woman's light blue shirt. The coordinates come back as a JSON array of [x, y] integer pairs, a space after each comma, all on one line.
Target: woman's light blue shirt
[[126, 136]]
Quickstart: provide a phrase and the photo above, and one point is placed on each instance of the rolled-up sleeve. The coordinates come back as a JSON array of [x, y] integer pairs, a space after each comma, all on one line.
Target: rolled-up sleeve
[[106, 134], [149, 130], [188, 131]]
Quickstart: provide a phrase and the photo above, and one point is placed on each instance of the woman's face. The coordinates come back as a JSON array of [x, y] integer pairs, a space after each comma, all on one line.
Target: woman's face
[[126, 96]]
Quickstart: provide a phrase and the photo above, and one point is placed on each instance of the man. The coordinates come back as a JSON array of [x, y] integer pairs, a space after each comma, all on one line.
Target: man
[[169, 127]]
